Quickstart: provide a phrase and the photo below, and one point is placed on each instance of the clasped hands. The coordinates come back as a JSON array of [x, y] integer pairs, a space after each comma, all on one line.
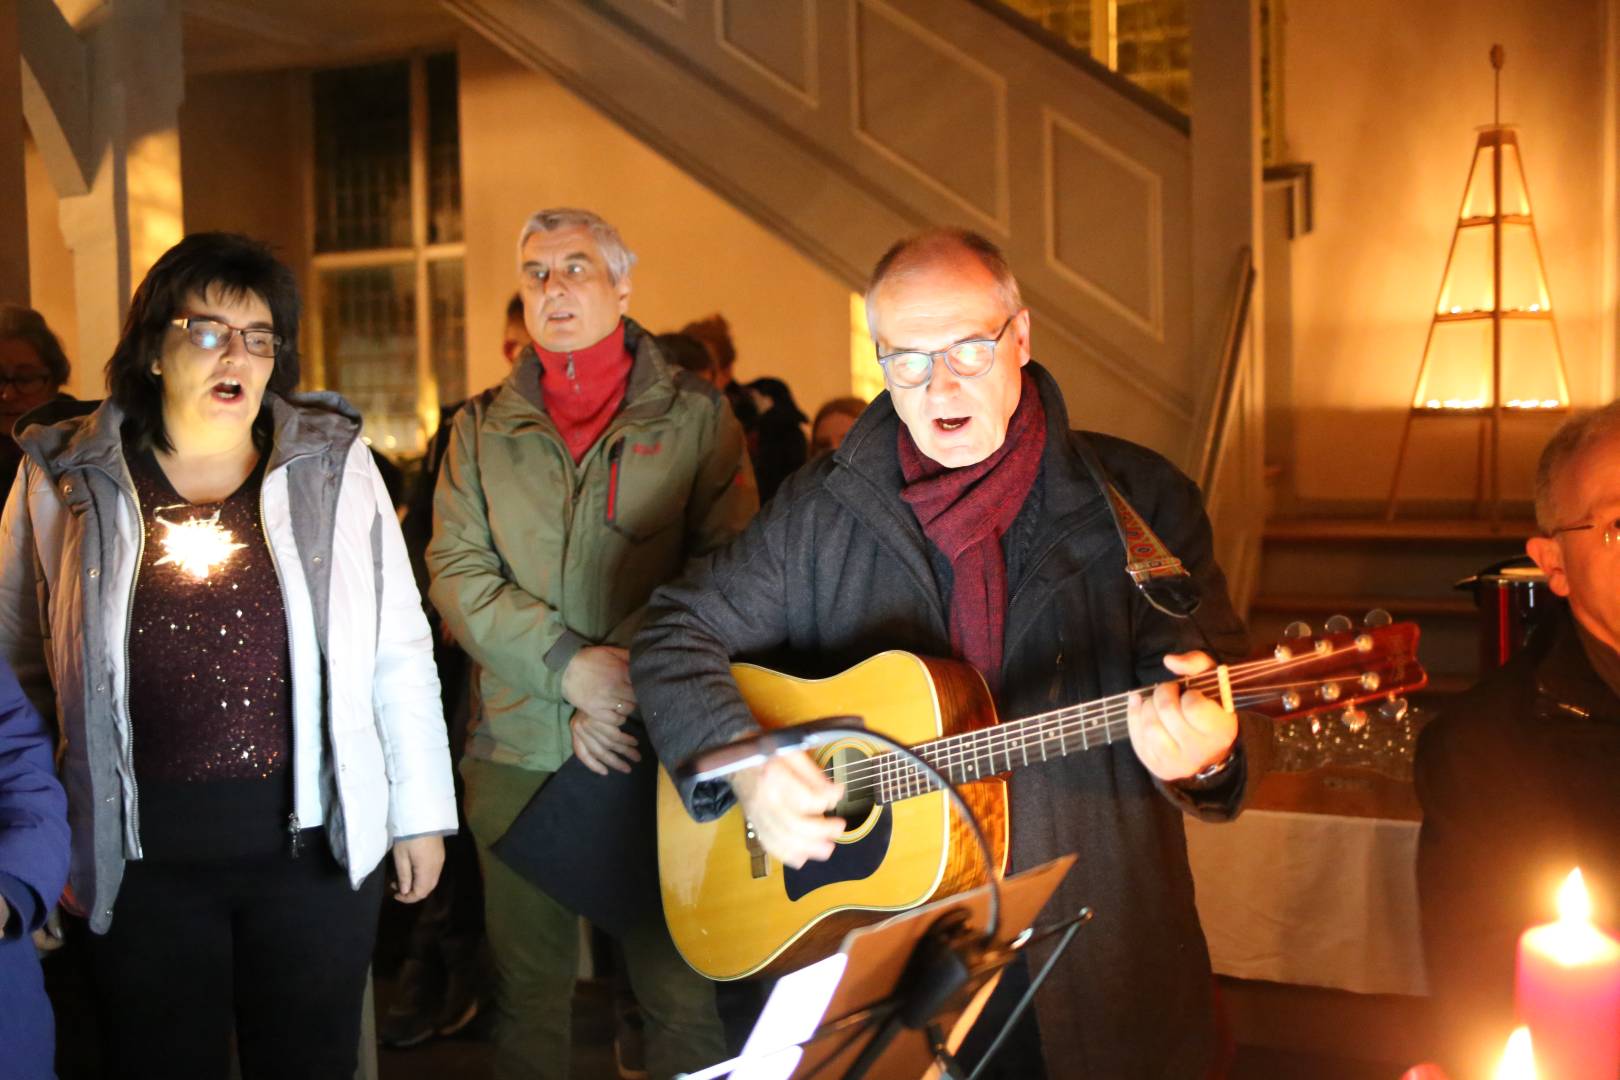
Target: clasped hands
[[597, 683], [1175, 734]]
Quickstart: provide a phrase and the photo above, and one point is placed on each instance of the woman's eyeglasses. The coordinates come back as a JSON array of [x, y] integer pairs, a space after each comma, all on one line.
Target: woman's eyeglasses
[[213, 334]]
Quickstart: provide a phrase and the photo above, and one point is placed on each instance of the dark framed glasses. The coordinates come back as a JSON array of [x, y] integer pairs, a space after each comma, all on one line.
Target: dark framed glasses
[[968, 359], [26, 384], [1611, 529], [212, 334]]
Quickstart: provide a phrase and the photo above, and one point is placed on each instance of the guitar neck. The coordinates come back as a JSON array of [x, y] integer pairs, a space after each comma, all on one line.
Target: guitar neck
[[974, 755], [1298, 679]]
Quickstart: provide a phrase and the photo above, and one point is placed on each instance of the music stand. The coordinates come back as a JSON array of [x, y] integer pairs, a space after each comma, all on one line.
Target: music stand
[[819, 1019]]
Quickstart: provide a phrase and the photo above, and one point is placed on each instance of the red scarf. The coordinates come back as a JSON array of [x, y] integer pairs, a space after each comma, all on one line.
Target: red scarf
[[583, 389], [964, 512]]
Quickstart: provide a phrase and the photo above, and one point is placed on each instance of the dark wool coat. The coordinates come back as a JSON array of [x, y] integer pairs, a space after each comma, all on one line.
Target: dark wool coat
[[836, 568], [1517, 782], [33, 869]]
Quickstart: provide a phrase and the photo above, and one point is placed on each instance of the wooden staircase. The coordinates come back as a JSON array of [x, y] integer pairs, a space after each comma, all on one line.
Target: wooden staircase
[[1312, 568]]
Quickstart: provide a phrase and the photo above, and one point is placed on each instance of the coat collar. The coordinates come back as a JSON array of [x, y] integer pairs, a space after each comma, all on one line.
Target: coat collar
[[865, 477], [301, 424], [1566, 677], [650, 392]]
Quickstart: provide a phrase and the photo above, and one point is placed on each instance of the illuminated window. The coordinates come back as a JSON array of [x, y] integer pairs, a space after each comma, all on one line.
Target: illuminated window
[[865, 377], [387, 304]]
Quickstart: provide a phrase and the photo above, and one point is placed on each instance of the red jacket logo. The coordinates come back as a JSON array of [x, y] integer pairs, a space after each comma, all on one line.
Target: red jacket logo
[[646, 449]]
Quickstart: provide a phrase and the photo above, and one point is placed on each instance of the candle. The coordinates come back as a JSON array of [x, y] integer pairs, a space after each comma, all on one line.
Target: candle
[[1569, 990], [1518, 1063]]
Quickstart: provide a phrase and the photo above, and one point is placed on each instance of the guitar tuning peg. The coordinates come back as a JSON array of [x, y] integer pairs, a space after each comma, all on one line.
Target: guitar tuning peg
[[1394, 708], [1377, 617], [1354, 719], [1338, 624], [1296, 630]]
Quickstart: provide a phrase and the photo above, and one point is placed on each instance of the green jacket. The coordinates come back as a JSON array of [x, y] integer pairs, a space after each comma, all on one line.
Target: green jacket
[[534, 557]]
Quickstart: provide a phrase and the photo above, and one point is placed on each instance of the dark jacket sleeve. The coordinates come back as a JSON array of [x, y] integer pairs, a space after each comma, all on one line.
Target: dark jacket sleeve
[[1174, 507], [33, 812], [731, 602]]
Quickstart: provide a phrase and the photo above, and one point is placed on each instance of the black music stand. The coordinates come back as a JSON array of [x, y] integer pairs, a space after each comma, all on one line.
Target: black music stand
[[821, 1021]]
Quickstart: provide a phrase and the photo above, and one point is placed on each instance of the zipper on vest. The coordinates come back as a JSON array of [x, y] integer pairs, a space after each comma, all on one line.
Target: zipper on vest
[[292, 743], [569, 371], [129, 721]]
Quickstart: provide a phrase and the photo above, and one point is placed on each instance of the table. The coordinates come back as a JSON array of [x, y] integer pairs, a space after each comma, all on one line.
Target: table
[[1310, 898]]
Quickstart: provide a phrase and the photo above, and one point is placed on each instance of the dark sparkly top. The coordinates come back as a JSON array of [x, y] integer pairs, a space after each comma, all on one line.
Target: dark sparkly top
[[210, 689]]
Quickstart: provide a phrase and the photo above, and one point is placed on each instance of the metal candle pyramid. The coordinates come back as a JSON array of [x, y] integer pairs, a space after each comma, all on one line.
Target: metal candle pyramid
[[1493, 348]]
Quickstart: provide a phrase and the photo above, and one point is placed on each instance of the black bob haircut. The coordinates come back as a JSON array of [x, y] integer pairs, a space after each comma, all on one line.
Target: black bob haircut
[[232, 266]]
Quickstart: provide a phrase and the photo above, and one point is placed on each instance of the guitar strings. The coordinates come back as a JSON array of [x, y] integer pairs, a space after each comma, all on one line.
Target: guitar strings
[[1072, 722], [972, 741], [895, 772], [1103, 717]]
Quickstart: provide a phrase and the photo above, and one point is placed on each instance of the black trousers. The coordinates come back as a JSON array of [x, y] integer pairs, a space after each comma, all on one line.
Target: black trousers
[[276, 947]]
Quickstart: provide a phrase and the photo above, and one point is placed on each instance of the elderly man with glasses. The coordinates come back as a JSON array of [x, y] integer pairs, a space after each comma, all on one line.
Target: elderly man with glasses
[[961, 517], [1518, 776]]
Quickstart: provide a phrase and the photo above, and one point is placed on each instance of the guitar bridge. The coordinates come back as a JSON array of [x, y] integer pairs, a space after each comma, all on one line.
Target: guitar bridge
[[758, 861]]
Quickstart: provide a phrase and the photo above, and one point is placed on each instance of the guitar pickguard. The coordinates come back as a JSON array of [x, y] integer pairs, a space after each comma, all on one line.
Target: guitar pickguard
[[849, 862]]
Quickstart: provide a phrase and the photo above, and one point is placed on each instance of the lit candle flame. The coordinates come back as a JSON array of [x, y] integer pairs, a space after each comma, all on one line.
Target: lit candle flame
[[1574, 903], [1519, 1059], [198, 546]]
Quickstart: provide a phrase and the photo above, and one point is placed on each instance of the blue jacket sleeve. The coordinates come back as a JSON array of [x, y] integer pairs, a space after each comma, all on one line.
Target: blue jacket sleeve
[[33, 808]]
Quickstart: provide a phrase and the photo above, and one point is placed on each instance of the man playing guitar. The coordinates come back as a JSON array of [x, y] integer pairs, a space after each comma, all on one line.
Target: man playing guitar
[[959, 518]]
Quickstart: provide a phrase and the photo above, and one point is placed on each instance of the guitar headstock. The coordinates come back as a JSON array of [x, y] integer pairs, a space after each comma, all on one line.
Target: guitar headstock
[[1342, 668]]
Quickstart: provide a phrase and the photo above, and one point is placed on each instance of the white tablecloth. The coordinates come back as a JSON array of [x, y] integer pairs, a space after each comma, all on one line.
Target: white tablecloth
[[1311, 899]]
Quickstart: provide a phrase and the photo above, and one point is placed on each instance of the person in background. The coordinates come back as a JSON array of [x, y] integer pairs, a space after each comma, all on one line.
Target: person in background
[[688, 352], [443, 982], [33, 370], [777, 444], [1517, 776], [833, 421], [589, 477], [715, 334], [33, 869], [234, 646], [960, 519]]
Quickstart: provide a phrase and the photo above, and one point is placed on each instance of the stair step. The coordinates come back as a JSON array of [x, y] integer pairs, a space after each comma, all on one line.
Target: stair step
[[1402, 607], [1401, 530]]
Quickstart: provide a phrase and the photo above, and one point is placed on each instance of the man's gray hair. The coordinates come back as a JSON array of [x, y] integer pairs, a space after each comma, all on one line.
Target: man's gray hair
[[619, 258], [930, 246], [1567, 443]]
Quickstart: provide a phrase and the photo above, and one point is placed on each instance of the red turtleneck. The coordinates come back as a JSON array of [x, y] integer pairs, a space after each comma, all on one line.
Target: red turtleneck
[[582, 389]]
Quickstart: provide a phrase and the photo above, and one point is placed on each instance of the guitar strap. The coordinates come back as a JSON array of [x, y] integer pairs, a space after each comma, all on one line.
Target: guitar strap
[[1163, 581]]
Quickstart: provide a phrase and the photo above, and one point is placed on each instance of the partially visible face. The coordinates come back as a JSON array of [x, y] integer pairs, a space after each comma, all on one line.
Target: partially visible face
[[215, 392], [1579, 564], [28, 382], [829, 433], [515, 337], [955, 421], [569, 300]]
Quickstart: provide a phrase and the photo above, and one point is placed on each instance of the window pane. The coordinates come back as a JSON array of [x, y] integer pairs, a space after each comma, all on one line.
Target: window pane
[[444, 151], [448, 320], [368, 327], [363, 157]]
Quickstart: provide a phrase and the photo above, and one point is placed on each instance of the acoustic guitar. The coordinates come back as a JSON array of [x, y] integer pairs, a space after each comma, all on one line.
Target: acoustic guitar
[[734, 911]]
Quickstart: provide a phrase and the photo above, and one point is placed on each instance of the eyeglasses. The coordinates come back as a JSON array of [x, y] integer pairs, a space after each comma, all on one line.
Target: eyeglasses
[[1611, 529], [25, 384], [213, 334], [967, 360]]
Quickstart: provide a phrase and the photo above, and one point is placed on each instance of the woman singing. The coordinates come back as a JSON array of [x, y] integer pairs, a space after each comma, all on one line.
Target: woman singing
[[204, 582]]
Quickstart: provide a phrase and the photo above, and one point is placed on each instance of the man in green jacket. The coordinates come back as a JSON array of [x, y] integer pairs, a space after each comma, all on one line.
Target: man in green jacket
[[571, 491]]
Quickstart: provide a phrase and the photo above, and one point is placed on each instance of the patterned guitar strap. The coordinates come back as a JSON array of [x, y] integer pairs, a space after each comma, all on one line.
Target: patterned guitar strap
[[1158, 574]]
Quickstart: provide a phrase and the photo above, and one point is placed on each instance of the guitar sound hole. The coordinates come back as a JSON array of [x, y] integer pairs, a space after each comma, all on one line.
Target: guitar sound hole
[[860, 785]]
